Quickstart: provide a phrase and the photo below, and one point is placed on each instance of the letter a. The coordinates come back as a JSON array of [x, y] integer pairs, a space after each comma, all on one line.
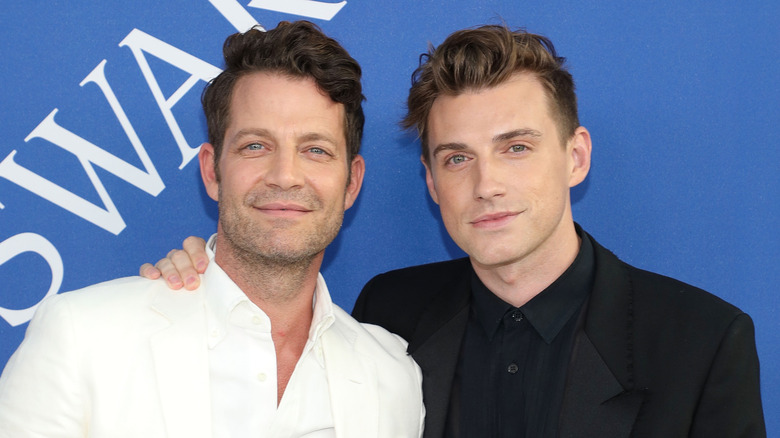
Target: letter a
[[140, 42]]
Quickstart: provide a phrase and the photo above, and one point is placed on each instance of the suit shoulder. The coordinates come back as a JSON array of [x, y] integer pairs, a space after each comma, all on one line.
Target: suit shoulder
[[368, 336], [421, 277], [426, 268], [396, 299], [655, 294], [677, 296], [117, 293], [102, 308]]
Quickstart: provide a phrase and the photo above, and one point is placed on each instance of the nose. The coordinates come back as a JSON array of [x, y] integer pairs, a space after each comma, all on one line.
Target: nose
[[285, 172], [488, 180]]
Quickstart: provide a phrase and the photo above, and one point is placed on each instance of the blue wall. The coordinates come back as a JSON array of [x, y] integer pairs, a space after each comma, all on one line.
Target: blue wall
[[681, 101]]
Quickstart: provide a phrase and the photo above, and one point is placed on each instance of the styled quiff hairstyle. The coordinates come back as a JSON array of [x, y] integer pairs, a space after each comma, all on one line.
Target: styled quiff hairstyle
[[484, 57], [299, 50]]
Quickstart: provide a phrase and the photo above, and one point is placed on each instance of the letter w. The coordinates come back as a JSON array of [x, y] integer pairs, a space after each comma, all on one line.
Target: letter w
[[88, 154]]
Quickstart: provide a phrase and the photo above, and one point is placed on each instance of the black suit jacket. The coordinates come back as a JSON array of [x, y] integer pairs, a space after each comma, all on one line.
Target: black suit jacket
[[656, 357]]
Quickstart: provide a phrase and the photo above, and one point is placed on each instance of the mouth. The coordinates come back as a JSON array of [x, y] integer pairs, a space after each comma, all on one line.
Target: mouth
[[283, 209], [494, 220]]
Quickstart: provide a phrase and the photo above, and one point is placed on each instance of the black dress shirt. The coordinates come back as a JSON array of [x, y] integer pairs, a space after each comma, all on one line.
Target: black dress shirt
[[512, 365]]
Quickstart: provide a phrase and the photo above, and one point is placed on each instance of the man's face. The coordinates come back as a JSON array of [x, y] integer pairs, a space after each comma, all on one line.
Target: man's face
[[283, 169], [501, 174]]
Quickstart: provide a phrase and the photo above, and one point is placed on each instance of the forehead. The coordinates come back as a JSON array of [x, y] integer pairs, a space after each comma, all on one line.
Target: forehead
[[284, 105], [520, 102]]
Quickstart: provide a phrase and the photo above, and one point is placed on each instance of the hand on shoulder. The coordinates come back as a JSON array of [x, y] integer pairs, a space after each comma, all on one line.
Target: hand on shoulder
[[181, 267]]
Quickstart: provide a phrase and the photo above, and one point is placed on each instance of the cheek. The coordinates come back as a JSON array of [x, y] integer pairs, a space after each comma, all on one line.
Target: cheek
[[451, 188], [234, 184], [452, 224], [329, 189], [549, 200], [452, 205]]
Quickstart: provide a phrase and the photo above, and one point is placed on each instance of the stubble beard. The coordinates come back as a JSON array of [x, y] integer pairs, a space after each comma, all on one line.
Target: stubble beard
[[274, 247]]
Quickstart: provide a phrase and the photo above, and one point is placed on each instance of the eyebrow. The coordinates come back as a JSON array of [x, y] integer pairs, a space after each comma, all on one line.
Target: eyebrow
[[317, 136], [448, 147], [498, 138], [309, 136], [251, 132], [523, 132]]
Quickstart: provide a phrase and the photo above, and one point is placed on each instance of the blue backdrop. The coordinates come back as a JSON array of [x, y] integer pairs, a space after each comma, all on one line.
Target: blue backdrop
[[101, 119]]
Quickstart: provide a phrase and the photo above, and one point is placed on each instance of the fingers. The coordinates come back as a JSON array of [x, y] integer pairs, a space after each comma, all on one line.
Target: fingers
[[149, 271], [196, 248], [178, 270]]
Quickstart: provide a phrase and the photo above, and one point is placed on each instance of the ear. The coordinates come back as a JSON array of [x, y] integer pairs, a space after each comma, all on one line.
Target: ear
[[356, 170], [579, 149], [429, 180], [207, 172]]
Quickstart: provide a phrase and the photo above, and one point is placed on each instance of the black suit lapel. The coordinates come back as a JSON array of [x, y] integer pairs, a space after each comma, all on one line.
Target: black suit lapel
[[435, 346], [595, 404], [600, 398]]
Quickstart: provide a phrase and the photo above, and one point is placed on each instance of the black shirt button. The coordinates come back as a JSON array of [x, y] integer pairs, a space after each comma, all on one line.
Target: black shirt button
[[512, 368], [517, 315]]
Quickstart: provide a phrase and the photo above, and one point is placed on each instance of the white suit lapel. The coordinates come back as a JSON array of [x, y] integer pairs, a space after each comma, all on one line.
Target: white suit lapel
[[181, 362], [353, 394]]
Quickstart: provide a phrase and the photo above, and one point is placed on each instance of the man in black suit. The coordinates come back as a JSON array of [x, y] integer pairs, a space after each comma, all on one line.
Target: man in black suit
[[541, 331]]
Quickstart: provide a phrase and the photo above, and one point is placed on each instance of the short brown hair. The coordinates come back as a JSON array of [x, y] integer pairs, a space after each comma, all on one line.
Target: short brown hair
[[298, 49], [484, 57]]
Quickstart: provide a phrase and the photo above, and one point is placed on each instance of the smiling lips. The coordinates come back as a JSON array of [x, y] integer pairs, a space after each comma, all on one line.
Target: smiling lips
[[283, 209], [494, 220]]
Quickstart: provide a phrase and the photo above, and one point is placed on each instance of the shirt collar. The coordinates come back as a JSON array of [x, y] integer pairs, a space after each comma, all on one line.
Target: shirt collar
[[223, 296], [549, 310], [487, 307], [323, 316]]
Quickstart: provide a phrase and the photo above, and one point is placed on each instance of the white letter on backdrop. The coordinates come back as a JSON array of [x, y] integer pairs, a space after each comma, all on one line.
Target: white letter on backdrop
[[140, 42], [242, 20], [305, 8], [107, 218], [30, 242], [235, 14]]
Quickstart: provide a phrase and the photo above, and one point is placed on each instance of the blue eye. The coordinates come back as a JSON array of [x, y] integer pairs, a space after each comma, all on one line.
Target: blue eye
[[457, 159], [255, 146], [317, 150]]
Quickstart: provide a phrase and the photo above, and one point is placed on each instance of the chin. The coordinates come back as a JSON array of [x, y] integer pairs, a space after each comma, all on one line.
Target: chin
[[488, 258]]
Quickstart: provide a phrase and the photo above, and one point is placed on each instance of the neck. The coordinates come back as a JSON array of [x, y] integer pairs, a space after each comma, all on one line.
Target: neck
[[284, 291], [271, 284], [521, 280]]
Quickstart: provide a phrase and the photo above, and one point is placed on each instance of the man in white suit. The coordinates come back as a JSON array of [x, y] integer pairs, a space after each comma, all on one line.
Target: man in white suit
[[259, 349]]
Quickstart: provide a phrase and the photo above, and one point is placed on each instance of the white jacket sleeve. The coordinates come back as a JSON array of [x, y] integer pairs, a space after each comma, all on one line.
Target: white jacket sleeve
[[42, 393]]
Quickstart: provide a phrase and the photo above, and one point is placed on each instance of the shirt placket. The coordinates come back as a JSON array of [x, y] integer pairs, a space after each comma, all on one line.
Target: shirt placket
[[515, 335]]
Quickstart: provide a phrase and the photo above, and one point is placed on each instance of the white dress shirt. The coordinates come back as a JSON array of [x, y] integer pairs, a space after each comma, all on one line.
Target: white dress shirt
[[242, 364]]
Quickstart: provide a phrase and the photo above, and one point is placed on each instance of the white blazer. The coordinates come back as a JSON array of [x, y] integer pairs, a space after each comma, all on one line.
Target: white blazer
[[128, 358]]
